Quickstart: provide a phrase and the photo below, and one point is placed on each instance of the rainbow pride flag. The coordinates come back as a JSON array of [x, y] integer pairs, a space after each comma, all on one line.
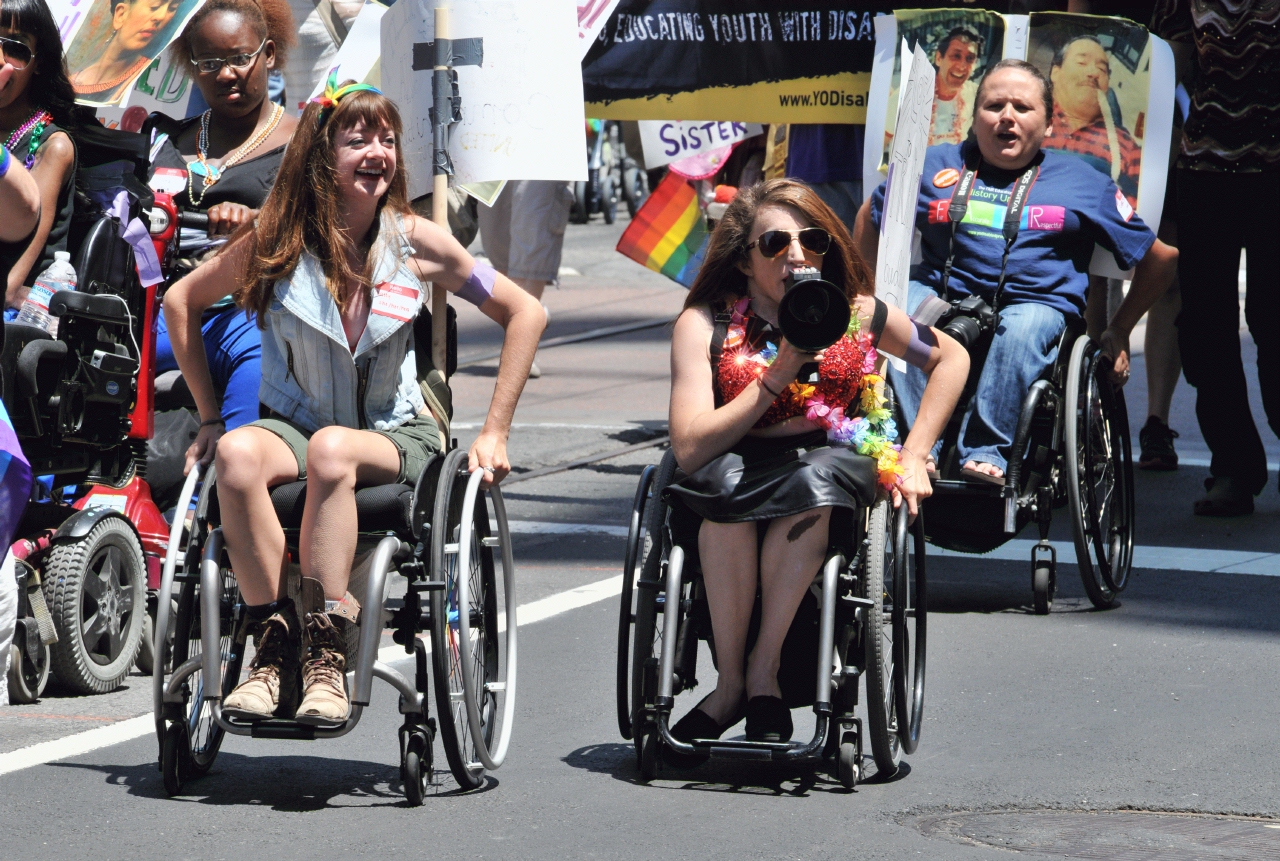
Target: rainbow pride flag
[[15, 481], [668, 234]]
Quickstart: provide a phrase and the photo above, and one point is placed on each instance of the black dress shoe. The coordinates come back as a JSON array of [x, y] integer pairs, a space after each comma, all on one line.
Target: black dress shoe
[[696, 724], [768, 719], [1226, 497]]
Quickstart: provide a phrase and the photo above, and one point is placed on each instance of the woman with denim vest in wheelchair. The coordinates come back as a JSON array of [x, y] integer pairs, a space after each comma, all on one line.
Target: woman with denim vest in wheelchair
[[334, 269], [767, 451]]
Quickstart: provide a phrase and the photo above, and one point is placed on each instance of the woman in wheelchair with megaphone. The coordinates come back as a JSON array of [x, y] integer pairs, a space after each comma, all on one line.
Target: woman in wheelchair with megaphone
[[335, 269], [768, 443]]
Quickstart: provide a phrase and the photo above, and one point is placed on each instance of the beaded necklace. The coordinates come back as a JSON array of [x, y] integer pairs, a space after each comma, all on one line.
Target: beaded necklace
[[36, 124], [211, 174]]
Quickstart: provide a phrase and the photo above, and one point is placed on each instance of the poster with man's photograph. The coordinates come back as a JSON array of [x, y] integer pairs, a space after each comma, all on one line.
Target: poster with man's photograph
[[962, 44], [117, 41], [1101, 74]]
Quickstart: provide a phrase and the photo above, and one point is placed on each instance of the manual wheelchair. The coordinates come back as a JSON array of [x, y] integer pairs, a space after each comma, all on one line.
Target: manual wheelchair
[[864, 616], [438, 536], [1072, 447]]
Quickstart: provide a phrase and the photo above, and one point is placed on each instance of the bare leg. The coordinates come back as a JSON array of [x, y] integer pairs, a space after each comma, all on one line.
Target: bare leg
[[249, 461], [729, 571], [793, 551], [339, 459], [1164, 360]]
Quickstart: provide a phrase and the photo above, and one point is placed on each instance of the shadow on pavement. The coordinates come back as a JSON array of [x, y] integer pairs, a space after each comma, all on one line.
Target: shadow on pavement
[[618, 759], [289, 784]]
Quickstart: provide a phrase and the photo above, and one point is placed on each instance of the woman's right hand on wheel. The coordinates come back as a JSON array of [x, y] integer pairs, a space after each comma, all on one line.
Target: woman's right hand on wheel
[[787, 364], [201, 451], [915, 487]]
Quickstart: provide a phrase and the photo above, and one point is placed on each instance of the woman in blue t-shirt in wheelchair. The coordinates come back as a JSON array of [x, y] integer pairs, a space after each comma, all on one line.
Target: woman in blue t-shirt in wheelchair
[[1034, 272]]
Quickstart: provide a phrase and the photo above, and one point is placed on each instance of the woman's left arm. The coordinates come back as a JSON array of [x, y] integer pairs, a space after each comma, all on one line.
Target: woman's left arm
[[946, 364], [1152, 278], [441, 259], [54, 162]]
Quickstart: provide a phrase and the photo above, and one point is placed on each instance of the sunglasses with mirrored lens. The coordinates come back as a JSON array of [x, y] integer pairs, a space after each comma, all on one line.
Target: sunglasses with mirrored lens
[[774, 242], [16, 54]]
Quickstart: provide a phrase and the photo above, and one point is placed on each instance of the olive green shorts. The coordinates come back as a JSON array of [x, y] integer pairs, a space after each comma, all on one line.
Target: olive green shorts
[[417, 440]]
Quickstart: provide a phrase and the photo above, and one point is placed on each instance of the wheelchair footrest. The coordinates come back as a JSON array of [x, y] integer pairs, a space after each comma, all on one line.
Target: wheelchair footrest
[[288, 730], [743, 749], [722, 752]]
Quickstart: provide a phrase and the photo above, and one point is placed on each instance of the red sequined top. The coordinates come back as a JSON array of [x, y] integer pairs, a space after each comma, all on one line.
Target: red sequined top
[[747, 335]]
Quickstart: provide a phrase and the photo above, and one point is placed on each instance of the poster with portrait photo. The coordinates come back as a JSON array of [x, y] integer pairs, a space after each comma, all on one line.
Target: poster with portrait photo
[[117, 41], [962, 44]]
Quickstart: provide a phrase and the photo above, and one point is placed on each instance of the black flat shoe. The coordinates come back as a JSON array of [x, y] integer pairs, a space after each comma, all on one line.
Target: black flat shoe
[[768, 719], [1225, 498], [697, 724]]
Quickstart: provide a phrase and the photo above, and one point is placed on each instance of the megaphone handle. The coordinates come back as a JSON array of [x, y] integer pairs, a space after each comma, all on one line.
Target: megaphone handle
[[807, 370]]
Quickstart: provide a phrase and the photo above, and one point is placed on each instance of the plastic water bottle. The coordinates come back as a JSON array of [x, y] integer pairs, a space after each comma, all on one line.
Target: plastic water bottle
[[35, 309]]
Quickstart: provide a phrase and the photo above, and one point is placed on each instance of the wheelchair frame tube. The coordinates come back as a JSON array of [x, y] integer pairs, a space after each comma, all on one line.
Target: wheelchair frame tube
[[1013, 475], [670, 630], [371, 617], [210, 616], [165, 595], [827, 631]]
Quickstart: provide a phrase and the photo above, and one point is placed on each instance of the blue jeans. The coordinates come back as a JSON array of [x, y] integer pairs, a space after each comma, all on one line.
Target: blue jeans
[[233, 346], [1024, 347]]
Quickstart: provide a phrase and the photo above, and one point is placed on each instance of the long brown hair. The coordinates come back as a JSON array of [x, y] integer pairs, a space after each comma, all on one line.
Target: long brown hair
[[301, 212], [720, 279]]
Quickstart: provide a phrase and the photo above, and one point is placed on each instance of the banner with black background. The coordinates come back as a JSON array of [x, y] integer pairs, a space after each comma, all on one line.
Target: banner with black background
[[801, 62]]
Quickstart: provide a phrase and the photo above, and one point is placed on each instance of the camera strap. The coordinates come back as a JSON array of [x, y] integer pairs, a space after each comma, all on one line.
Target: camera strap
[[1012, 216]]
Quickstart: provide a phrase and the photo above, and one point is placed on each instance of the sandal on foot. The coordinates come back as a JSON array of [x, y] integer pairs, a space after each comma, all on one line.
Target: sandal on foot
[[977, 477]]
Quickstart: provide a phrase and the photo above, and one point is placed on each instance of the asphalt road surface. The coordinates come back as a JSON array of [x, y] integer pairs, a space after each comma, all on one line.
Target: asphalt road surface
[[1037, 729]]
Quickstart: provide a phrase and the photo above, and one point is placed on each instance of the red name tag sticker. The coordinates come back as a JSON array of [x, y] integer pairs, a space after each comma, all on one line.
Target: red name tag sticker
[[395, 300], [1122, 205], [169, 180]]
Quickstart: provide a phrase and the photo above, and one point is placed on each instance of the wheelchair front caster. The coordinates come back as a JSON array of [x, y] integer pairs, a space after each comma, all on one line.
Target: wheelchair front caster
[[415, 768], [1044, 583], [648, 753], [850, 765], [174, 755]]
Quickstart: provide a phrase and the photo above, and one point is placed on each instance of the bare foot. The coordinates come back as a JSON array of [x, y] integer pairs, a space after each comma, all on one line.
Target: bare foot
[[985, 469]]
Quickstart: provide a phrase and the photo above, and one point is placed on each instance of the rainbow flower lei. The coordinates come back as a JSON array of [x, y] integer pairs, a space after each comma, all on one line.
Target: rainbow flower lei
[[871, 433]]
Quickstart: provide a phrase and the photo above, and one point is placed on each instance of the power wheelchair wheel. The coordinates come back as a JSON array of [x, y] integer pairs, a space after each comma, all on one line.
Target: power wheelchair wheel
[[879, 581], [1099, 475], [636, 534], [473, 669], [96, 588], [910, 623]]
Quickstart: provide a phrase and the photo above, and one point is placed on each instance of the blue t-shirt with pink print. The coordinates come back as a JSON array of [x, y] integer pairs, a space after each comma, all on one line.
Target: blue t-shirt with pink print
[[1070, 208]]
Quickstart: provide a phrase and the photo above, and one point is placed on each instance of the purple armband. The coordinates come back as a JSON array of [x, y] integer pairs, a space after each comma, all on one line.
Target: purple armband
[[921, 345], [478, 288]]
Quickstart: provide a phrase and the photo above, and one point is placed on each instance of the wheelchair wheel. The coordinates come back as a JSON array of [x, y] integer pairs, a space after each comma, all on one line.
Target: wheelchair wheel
[[96, 589], [646, 652], [1099, 475], [466, 648], [910, 617], [882, 723], [174, 758], [28, 673], [415, 768], [626, 612]]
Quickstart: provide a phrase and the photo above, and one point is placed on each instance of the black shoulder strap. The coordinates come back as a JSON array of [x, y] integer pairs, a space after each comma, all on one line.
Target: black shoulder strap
[[720, 331], [878, 318]]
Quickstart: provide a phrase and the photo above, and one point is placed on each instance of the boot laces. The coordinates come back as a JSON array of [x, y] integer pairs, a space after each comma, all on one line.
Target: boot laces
[[325, 661], [272, 641]]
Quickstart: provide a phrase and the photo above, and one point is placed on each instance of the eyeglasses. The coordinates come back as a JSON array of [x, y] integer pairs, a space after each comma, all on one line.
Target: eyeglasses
[[774, 242], [213, 65], [16, 54]]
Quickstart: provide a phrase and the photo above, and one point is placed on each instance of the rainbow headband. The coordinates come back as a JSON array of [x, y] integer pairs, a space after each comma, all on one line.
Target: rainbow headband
[[333, 93]]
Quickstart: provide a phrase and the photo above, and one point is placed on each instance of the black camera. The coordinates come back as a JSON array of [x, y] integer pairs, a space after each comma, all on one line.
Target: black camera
[[813, 313], [967, 320]]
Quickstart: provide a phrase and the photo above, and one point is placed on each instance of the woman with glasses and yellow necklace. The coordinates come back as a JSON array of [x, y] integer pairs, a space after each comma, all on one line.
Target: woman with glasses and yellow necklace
[[36, 104], [224, 162]]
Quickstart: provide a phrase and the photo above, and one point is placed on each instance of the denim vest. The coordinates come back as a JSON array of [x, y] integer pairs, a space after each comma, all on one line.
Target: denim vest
[[309, 374]]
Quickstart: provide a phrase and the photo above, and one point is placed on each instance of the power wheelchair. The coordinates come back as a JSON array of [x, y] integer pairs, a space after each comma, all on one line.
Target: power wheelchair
[[864, 616], [438, 536], [1071, 447]]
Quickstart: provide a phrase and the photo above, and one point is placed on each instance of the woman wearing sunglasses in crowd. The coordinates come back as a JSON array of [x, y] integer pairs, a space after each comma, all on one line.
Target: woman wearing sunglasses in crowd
[[224, 162], [36, 104], [137, 28], [767, 451]]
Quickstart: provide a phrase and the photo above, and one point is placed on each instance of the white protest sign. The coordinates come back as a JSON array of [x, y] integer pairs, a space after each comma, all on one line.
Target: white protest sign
[[357, 59], [665, 141], [902, 189], [592, 16], [522, 110]]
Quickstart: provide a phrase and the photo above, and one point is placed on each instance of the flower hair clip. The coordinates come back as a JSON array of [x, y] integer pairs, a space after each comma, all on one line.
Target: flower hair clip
[[333, 93]]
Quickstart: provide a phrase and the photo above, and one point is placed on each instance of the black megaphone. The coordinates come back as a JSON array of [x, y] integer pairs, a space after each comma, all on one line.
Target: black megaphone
[[814, 313]]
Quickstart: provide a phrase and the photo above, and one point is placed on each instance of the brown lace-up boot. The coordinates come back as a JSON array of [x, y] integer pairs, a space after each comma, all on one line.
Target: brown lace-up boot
[[325, 701], [272, 687]]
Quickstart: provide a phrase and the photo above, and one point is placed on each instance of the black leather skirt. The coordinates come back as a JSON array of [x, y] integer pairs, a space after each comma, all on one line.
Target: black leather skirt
[[763, 479]]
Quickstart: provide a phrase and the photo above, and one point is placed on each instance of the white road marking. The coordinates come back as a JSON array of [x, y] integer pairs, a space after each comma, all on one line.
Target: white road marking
[[128, 730]]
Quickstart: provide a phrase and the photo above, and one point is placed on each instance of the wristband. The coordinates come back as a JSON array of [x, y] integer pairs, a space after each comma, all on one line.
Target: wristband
[[211, 422], [478, 288], [765, 386], [4, 159]]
